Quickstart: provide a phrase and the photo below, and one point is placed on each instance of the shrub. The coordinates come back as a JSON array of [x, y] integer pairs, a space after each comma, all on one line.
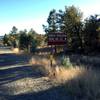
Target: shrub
[[33, 47], [66, 62]]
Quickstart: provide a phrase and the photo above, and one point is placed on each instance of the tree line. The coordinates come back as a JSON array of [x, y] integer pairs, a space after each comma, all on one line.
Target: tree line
[[82, 35], [24, 40]]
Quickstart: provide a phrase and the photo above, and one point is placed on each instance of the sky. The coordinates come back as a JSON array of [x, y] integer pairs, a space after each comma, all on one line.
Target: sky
[[27, 14]]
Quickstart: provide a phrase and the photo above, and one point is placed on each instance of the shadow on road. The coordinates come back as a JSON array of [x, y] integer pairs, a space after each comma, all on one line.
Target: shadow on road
[[11, 59], [13, 74]]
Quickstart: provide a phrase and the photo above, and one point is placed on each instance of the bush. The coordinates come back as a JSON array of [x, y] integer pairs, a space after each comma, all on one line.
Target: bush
[[33, 47], [66, 62]]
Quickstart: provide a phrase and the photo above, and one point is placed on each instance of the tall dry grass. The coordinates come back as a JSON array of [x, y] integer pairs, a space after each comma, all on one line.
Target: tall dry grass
[[79, 82], [85, 86], [42, 64]]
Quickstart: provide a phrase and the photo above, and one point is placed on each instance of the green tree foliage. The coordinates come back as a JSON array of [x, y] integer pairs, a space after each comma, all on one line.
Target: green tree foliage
[[92, 33], [60, 20], [52, 22], [6, 40], [23, 41], [69, 22], [52, 27], [73, 27], [32, 43], [55, 21], [28, 41], [13, 37], [39, 38], [14, 30]]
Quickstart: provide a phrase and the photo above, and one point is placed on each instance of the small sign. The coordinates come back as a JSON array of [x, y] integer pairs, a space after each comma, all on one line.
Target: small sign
[[57, 38]]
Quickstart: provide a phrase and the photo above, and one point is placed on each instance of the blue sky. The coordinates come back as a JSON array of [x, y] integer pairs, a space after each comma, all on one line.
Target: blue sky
[[26, 14]]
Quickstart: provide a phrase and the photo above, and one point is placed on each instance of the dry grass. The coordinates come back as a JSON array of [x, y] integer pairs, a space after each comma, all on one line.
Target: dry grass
[[62, 74], [79, 82], [15, 50], [39, 60], [41, 64], [85, 84]]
